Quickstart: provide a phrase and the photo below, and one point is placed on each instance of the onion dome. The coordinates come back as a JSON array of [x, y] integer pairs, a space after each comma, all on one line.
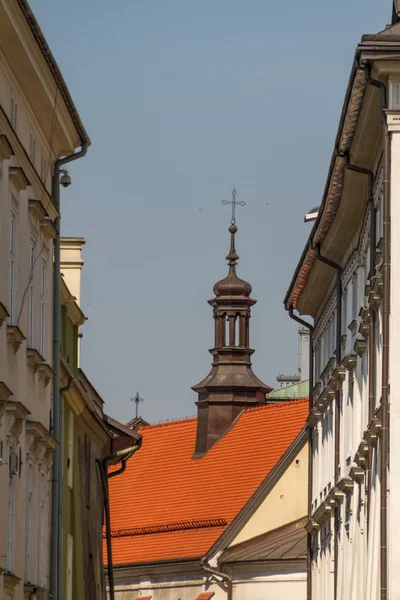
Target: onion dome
[[232, 285]]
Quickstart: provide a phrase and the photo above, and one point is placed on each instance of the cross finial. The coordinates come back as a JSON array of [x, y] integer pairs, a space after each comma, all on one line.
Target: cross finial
[[137, 399], [234, 205]]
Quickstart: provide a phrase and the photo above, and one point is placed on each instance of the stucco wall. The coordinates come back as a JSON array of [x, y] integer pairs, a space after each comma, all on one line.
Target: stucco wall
[[286, 502]]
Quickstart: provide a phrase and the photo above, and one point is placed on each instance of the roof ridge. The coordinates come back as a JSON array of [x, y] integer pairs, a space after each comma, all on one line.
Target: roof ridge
[[168, 422], [277, 404], [168, 527]]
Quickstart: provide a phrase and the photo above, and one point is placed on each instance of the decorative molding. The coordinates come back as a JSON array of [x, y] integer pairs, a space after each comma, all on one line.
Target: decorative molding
[[349, 361], [360, 346], [3, 313], [5, 395], [45, 372], [38, 211], [14, 336], [5, 148], [314, 416], [18, 178], [16, 413], [34, 358], [356, 473], [375, 295], [346, 485], [364, 321], [373, 430], [10, 582]]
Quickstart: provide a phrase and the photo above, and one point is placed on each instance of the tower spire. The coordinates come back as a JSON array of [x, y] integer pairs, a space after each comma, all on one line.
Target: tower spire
[[231, 386]]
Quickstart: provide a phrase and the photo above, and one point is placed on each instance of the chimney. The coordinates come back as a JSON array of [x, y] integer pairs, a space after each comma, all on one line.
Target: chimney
[[304, 354], [71, 264]]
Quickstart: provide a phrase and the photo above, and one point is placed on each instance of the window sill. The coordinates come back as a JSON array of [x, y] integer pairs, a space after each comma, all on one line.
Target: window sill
[[14, 336]]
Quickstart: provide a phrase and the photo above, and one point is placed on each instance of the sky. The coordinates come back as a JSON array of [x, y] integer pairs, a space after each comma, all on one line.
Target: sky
[[183, 100]]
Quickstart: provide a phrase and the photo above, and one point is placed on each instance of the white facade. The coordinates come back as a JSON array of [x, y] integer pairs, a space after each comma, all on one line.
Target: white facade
[[35, 129], [348, 414]]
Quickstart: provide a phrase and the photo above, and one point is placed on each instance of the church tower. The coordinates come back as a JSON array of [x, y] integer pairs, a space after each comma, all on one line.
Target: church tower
[[231, 386]]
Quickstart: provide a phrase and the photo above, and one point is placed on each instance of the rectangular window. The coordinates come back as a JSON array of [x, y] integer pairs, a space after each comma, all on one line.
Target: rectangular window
[[29, 523], [43, 169], [354, 297], [88, 451], [395, 95], [43, 308], [10, 532], [12, 267], [14, 111], [70, 450], [42, 528], [32, 147], [31, 325], [70, 548]]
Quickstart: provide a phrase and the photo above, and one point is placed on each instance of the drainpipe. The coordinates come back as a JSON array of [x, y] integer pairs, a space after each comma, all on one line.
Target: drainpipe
[[227, 579], [371, 333], [338, 268], [384, 454], [310, 446], [105, 476], [56, 496]]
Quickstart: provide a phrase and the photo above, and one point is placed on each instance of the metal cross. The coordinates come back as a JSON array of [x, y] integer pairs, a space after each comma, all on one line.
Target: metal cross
[[137, 399], [234, 205]]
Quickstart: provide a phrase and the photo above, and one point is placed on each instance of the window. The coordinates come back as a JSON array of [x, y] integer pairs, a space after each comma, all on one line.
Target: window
[[70, 450], [354, 297], [10, 531], [43, 308], [344, 312], [88, 451], [70, 548], [395, 95], [12, 267], [31, 324], [42, 527], [29, 523], [43, 168], [14, 111], [32, 147]]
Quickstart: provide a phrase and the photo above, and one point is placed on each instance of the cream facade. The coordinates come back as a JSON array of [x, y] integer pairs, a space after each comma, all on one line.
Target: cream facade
[[348, 280], [37, 126]]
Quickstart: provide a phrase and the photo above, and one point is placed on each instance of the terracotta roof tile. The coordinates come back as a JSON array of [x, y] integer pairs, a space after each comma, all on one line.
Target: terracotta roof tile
[[167, 505], [205, 596]]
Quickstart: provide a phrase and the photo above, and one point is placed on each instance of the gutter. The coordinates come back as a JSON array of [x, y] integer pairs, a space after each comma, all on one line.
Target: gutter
[[310, 448], [226, 579], [56, 499], [123, 455]]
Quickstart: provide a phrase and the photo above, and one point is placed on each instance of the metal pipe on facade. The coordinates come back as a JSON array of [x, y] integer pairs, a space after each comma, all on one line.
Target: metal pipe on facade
[[310, 446], [123, 455], [227, 579], [338, 268], [384, 454], [56, 499]]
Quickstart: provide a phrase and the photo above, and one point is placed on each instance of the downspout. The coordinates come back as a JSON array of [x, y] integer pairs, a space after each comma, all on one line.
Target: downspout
[[385, 338], [372, 322], [227, 579], [105, 476], [56, 496], [338, 268], [310, 446]]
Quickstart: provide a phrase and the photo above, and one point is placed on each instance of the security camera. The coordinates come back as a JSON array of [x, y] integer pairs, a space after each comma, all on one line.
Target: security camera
[[65, 179]]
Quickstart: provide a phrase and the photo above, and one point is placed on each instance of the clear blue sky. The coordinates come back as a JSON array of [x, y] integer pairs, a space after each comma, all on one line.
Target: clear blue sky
[[182, 99]]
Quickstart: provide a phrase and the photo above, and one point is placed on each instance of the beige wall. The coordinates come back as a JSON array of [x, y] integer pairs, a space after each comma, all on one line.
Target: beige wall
[[286, 502]]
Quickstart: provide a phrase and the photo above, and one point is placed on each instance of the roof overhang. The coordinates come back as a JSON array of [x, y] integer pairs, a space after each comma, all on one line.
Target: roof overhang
[[339, 212]]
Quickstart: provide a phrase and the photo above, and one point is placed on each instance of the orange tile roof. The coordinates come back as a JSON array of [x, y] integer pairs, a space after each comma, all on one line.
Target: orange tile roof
[[167, 505], [205, 596]]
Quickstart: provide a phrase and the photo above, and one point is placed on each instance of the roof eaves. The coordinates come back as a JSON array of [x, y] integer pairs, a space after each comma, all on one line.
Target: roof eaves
[[334, 183], [258, 496], [55, 70]]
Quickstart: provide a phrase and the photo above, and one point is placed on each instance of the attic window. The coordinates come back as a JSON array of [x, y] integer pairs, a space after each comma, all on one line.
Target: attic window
[[395, 95]]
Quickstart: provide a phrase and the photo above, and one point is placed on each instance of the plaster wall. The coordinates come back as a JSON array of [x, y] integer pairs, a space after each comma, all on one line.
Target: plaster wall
[[249, 583], [286, 502]]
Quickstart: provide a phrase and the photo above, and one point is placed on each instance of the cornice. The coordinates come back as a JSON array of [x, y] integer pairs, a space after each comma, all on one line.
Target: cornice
[[5, 148], [14, 336], [18, 178], [3, 313], [67, 299]]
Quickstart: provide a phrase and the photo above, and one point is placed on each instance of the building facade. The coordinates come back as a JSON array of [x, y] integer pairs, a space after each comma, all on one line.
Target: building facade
[[38, 124], [347, 281]]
